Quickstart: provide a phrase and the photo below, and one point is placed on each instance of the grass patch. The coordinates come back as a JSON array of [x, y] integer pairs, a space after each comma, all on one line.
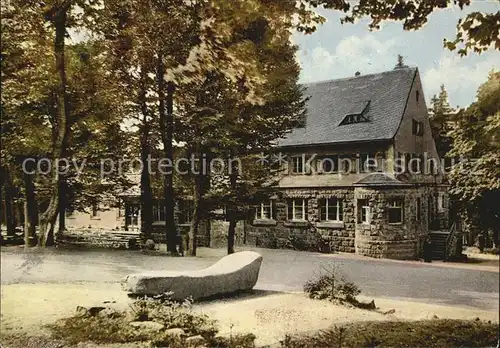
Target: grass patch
[[104, 326], [442, 333]]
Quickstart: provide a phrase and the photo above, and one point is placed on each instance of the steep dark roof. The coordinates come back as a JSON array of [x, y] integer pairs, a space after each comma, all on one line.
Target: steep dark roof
[[331, 101]]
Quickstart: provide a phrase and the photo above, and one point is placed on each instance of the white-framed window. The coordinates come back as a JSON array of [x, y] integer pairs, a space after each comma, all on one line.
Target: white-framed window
[[158, 212], [395, 211], [297, 209], [441, 202], [298, 164], [264, 211], [331, 209], [364, 211]]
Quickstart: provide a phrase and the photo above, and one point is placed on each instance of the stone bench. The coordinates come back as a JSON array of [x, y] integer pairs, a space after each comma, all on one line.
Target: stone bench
[[232, 273]]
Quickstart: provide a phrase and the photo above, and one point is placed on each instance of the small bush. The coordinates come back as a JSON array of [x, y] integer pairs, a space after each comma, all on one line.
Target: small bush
[[329, 285], [235, 341], [160, 309]]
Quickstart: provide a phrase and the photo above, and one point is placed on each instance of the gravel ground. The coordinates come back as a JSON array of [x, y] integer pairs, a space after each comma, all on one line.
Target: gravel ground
[[268, 314], [41, 286]]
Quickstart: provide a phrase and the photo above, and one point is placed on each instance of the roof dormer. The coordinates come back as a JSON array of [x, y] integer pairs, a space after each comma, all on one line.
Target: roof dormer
[[357, 113]]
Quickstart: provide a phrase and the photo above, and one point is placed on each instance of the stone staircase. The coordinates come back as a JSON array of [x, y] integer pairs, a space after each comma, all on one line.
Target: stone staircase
[[438, 242]]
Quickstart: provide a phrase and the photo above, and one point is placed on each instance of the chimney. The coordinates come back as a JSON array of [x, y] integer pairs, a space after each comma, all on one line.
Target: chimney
[[357, 73]]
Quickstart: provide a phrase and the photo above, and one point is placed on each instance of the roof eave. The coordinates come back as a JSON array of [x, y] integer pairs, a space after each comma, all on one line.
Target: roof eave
[[338, 143]]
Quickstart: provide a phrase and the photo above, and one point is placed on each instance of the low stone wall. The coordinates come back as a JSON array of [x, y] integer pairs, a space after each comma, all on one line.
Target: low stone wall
[[101, 239], [403, 249]]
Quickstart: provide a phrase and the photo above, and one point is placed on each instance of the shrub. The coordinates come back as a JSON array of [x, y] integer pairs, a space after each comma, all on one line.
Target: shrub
[[116, 329], [329, 285]]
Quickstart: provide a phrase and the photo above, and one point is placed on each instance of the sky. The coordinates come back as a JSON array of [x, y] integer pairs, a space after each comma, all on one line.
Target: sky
[[336, 51]]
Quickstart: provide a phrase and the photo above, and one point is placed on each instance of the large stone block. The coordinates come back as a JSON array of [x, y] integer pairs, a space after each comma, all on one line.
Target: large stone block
[[234, 272]]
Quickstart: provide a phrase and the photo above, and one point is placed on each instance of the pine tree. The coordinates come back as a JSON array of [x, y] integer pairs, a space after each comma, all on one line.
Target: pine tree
[[475, 182], [441, 116], [400, 64]]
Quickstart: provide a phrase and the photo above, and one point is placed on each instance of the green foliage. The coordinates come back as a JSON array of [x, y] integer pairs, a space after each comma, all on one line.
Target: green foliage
[[173, 315], [329, 285], [477, 31], [116, 328], [225, 119], [431, 333], [441, 116], [475, 182], [232, 63]]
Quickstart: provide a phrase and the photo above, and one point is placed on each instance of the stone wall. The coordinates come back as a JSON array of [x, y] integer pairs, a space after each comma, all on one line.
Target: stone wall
[[100, 239], [382, 239], [379, 239], [312, 234], [120, 239]]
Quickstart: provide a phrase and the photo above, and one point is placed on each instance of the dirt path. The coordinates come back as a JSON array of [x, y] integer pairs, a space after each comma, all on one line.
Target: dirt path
[[270, 315]]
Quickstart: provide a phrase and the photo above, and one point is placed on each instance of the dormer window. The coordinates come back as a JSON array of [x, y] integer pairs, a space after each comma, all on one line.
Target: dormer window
[[357, 114]]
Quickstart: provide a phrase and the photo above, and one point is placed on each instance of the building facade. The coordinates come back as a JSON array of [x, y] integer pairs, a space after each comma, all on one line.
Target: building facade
[[361, 175]]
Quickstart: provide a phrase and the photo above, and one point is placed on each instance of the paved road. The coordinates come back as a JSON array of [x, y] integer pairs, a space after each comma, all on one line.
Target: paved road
[[282, 270]]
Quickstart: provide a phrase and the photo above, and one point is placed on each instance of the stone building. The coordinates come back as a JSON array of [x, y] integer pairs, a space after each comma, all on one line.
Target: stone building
[[361, 175]]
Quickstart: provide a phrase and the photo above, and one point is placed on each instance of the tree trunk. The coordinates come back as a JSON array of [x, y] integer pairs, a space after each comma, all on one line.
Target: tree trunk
[[496, 233], [197, 211], [166, 128], [30, 210], [58, 16], [62, 206], [9, 212], [2, 209], [146, 191], [230, 211], [20, 213], [9, 203]]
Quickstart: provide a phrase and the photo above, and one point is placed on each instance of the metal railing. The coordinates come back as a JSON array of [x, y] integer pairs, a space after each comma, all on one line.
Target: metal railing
[[451, 242]]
